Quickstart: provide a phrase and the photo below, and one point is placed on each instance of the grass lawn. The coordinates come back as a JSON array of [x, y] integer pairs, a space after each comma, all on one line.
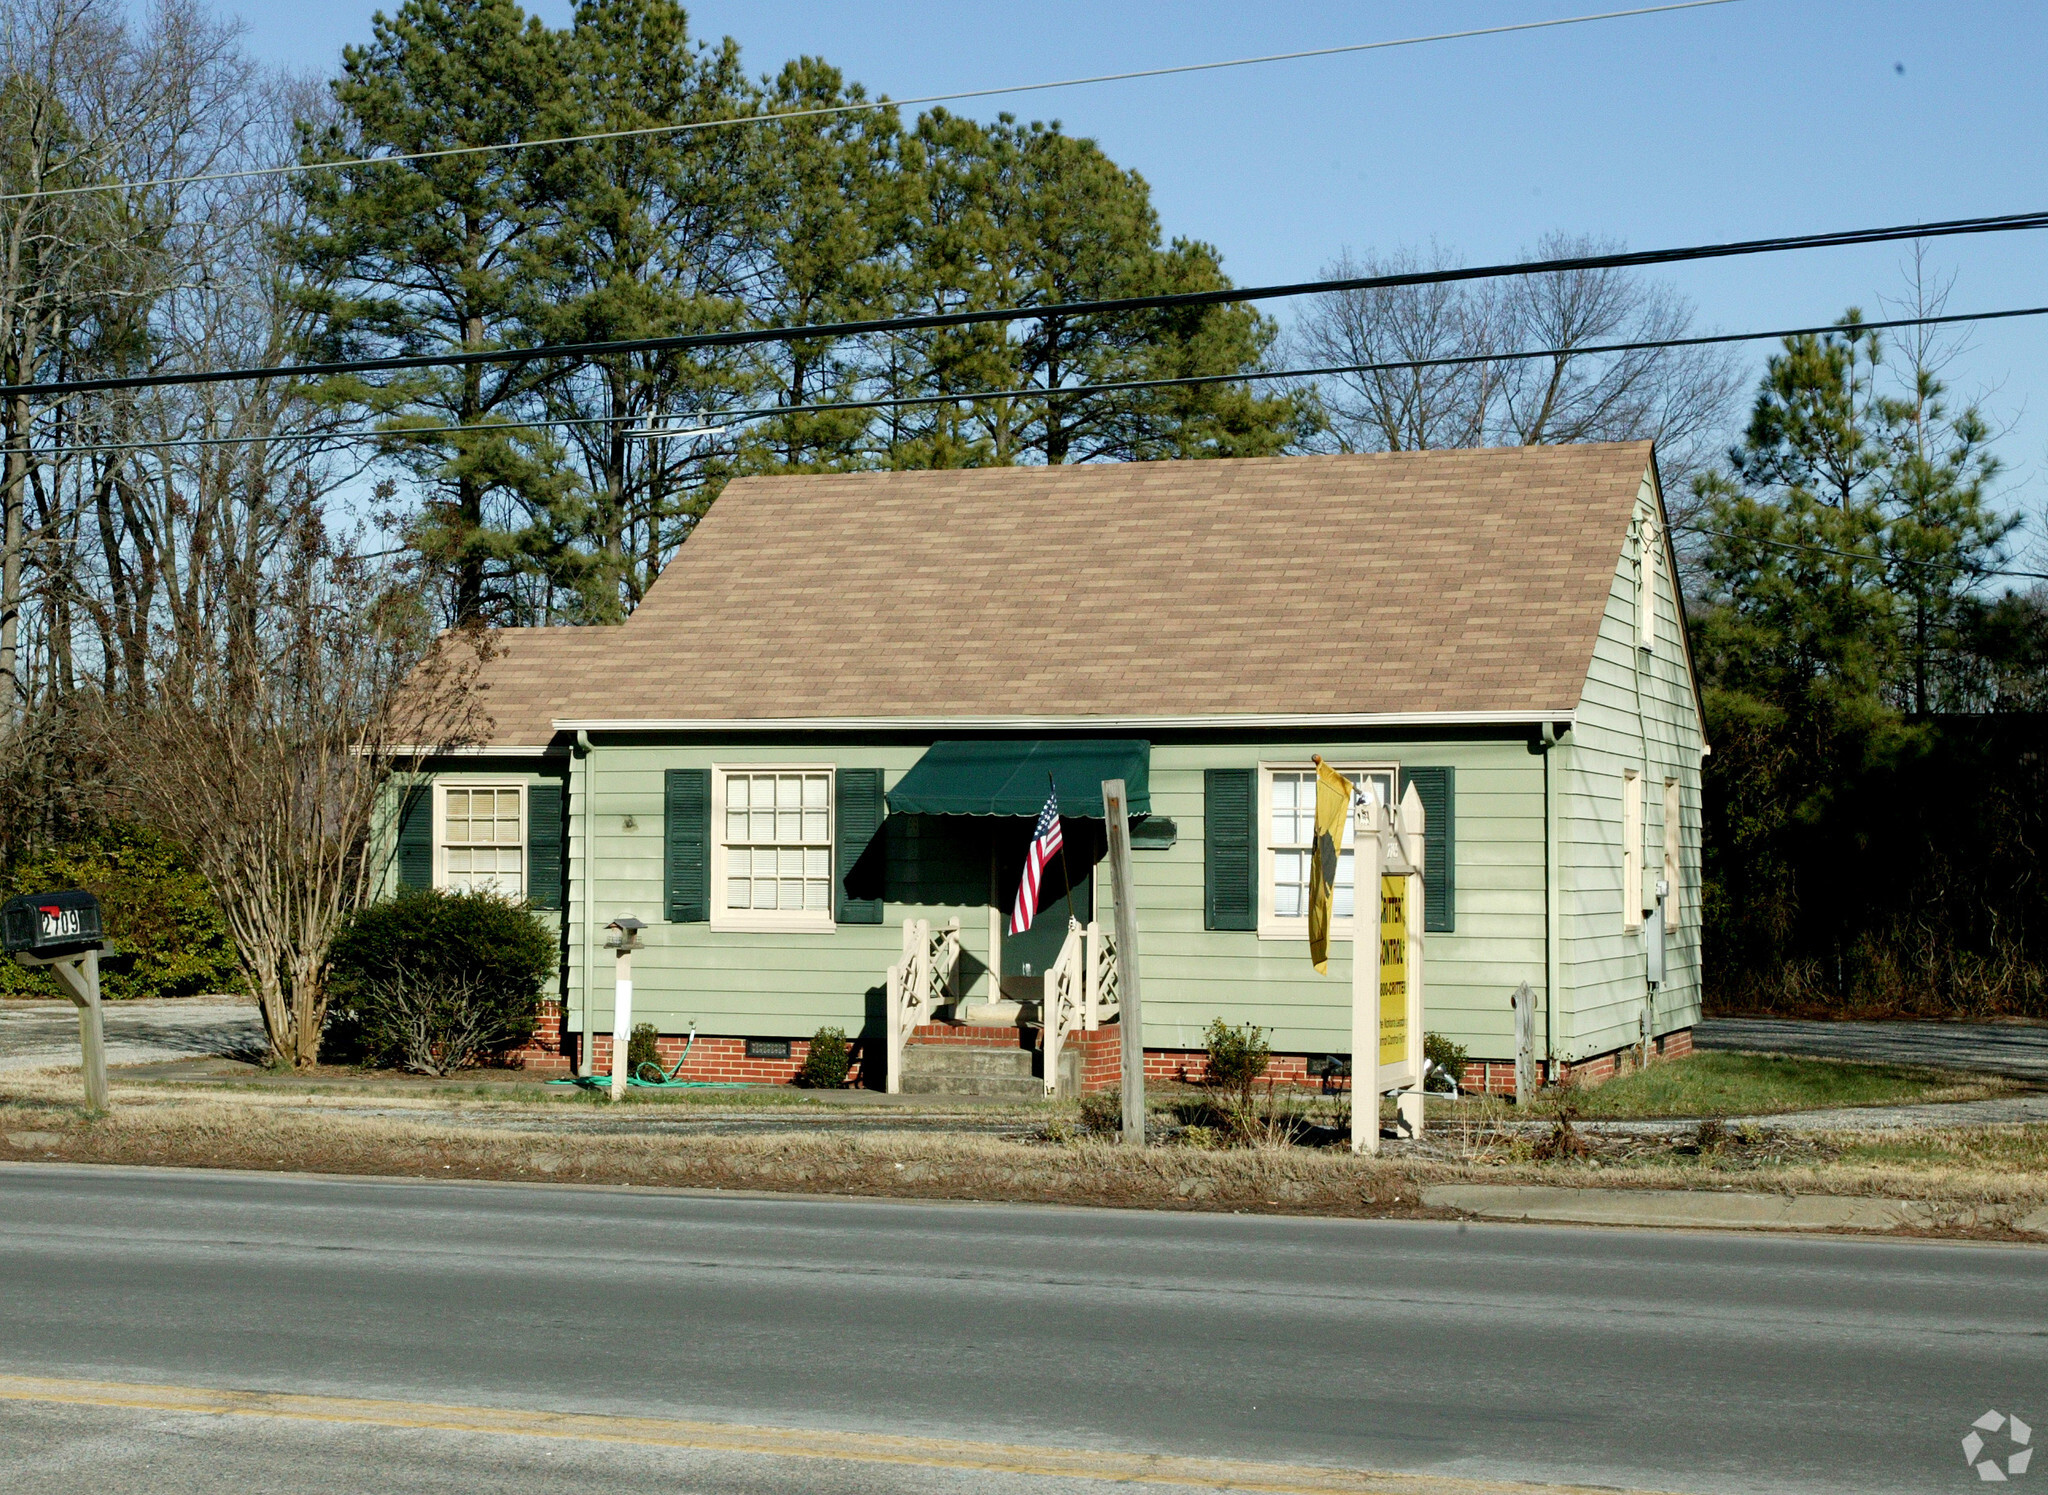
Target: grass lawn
[[1723, 1084]]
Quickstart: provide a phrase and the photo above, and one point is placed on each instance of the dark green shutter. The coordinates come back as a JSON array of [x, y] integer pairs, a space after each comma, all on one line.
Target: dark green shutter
[[1439, 790], [416, 837], [1229, 854], [860, 811], [687, 834], [544, 845]]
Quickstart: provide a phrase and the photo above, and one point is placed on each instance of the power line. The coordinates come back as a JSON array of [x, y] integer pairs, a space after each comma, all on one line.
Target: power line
[[1184, 300], [864, 106], [710, 420], [1852, 555]]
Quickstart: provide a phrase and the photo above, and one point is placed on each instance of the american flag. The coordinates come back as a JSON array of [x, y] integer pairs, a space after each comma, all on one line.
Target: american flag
[[1045, 845]]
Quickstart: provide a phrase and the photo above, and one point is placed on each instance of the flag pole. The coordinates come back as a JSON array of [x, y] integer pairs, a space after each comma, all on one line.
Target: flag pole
[[1066, 872]]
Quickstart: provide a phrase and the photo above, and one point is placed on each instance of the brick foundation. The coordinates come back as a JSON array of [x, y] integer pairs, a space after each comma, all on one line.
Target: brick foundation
[[721, 1059], [546, 1053], [1497, 1076]]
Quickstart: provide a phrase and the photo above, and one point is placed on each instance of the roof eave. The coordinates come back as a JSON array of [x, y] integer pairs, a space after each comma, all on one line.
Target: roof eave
[[1266, 721]]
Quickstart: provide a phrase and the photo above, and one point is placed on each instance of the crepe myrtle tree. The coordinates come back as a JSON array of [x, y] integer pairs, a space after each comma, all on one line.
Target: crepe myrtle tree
[[267, 756]]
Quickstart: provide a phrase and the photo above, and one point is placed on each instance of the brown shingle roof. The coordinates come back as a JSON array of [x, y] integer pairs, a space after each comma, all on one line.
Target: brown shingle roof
[[1409, 583], [531, 671]]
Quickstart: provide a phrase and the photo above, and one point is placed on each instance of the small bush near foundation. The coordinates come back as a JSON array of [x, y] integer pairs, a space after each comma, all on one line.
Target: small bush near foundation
[[1102, 1112], [433, 981], [641, 1049], [1237, 1059], [1443, 1063], [825, 1066]]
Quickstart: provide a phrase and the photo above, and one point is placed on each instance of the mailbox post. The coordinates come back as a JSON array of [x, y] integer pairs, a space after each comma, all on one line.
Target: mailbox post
[[625, 938], [62, 931]]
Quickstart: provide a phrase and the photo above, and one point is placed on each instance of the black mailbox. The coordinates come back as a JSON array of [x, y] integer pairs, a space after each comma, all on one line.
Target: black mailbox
[[50, 923]]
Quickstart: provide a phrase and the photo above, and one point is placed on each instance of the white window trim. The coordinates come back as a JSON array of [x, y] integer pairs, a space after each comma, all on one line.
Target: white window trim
[[1648, 549], [441, 787], [1631, 849], [1674, 850], [772, 921], [1271, 925]]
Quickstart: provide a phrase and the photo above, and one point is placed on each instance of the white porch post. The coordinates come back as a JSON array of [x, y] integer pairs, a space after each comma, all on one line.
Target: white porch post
[[1365, 973]]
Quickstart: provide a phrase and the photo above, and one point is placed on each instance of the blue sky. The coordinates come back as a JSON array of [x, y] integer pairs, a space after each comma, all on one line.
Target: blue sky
[[1744, 120]]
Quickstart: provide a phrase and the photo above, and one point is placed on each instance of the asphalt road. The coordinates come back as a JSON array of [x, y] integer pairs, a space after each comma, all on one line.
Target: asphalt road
[[2016, 1049], [34, 1035], [1632, 1359]]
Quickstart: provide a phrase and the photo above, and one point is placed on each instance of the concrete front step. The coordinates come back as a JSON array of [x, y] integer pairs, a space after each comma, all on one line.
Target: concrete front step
[[1010, 1087], [959, 1069], [959, 1059]]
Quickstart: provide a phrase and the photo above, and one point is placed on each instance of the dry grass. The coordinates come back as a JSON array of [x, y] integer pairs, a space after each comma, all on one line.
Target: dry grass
[[1984, 1176]]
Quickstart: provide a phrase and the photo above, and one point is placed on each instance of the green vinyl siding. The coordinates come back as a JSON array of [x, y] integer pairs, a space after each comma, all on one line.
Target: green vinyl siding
[[790, 983], [1637, 712]]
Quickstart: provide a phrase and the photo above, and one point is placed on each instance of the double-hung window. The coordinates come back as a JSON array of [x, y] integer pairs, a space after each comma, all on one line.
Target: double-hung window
[[482, 842], [772, 851], [1287, 831]]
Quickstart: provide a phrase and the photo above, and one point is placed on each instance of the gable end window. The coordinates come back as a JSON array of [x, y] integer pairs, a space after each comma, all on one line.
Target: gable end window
[[480, 838], [1286, 830], [771, 848]]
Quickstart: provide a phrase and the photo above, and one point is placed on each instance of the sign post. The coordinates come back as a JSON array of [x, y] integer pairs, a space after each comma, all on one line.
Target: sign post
[[1116, 817], [62, 932], [1386, 961], [622, 943]]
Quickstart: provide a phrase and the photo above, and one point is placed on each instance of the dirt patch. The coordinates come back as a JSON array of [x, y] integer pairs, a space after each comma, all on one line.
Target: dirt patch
[[1983, 1178]]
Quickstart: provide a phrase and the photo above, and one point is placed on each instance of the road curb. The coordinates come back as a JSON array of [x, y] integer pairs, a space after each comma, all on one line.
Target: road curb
[[1718, 1210]]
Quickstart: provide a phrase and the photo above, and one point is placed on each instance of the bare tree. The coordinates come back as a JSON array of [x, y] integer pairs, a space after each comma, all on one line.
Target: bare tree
[[1680, 397], [269, 755], [1406, 409], [1522, 372], [86, 99]]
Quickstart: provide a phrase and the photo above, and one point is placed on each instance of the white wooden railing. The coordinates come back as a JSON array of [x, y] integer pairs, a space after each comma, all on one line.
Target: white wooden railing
[[924, 980], [1080, 991]]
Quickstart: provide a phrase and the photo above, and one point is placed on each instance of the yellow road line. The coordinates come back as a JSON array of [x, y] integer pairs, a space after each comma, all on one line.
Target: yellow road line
[[801, 1443]]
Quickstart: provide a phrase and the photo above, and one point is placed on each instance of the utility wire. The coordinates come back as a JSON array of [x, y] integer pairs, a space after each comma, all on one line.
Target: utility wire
[[707, 421], [1852, 555], [863, 106], [1184, 300]]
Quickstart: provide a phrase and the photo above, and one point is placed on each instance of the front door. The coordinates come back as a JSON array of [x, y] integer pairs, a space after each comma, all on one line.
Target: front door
[[1027, 956]]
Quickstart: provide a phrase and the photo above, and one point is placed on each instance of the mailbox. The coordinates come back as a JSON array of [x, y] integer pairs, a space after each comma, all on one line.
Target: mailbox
[[50, 923]]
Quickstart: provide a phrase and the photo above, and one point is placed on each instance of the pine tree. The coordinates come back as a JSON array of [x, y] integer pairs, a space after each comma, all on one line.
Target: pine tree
[[429, 256]]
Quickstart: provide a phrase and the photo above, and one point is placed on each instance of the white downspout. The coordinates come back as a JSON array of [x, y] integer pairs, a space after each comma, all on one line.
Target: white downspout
[[583, 756]]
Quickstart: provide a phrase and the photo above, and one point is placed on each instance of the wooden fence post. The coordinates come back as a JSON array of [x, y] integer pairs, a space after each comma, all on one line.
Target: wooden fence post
[[1117, 818], [1524, 1003]]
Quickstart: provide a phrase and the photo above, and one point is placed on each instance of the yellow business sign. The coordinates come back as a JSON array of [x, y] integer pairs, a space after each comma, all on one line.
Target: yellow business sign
[[1393, 970]]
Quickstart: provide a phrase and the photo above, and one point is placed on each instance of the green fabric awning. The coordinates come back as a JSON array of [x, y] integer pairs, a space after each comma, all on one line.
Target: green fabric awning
[[1009, 776]]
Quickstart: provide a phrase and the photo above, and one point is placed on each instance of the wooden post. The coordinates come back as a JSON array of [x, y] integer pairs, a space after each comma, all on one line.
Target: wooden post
[[80, 977], [622, 1016], [1365, 975], [1116, 815], [1412, 1101], [1524, 1003]]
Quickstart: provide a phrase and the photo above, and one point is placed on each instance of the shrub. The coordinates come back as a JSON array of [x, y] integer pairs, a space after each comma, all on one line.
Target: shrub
[[1102, 1112], [161, 918], [1237, 1059], [1443, 1063], [829, 1059], [434, 981], [641, 1048]]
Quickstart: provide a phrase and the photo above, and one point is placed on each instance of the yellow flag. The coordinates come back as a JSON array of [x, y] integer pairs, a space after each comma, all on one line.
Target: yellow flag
[[1333, 808]]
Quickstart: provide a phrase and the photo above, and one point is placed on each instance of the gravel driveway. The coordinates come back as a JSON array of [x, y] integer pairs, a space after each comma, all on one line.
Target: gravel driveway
[[2019, 1050], [38, 1035]]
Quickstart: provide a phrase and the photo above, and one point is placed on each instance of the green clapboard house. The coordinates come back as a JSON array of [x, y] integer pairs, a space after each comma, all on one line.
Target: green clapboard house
[[845, 701]]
